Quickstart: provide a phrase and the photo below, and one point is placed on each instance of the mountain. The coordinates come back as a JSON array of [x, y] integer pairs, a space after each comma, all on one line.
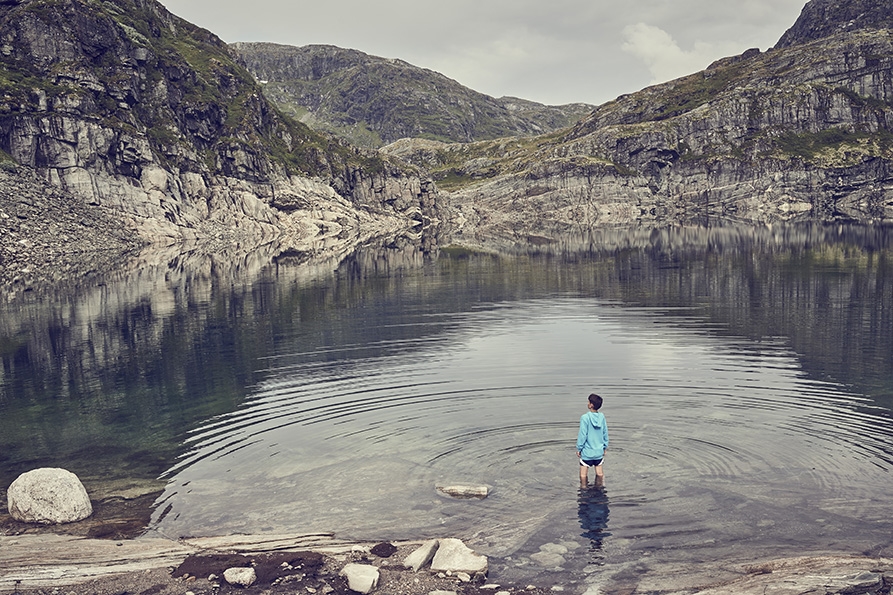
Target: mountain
[[371, 101], [132, 110], [149, 129], [802, 131], [829, 17]]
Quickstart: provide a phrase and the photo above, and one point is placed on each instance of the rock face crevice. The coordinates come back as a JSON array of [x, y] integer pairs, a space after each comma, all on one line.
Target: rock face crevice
[[128, 107]]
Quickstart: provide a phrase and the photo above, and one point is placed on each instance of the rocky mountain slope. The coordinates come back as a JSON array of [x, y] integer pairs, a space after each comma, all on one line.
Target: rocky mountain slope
[[372, 101], [800, 131], [154, 126], [131, 109]]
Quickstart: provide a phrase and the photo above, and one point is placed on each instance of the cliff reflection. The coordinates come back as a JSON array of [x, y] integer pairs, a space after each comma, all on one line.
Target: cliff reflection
[[121, 369]]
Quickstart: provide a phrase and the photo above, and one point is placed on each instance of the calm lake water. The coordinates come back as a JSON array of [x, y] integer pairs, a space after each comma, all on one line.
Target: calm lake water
[[747, 375]]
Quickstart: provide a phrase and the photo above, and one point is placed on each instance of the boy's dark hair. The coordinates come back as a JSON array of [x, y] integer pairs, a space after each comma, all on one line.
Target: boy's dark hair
[[596, 401]]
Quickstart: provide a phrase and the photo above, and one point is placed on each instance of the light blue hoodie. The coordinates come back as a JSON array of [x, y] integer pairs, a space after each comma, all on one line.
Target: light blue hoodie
[[593, 437]]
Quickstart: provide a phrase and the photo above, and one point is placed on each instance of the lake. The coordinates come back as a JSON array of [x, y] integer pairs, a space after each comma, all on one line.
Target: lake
[[747, 374]]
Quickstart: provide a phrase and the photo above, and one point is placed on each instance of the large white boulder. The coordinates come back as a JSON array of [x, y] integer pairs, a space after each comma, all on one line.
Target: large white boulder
[[48, 496], [454, 556]]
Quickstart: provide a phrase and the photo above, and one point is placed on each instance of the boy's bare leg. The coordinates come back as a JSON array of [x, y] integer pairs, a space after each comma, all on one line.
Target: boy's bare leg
[[599, 473], [584, 475]]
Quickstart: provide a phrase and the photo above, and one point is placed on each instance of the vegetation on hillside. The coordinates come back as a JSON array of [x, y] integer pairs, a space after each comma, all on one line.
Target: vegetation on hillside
[[135, 67], [372, 101]]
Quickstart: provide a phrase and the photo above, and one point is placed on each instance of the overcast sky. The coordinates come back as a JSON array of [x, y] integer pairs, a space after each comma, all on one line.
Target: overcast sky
[[551, 51]]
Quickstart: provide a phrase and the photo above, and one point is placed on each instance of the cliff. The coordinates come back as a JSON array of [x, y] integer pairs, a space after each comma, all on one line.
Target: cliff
[[153, 125], [824, 18], [126, 107], [371, 101], [801, 131]]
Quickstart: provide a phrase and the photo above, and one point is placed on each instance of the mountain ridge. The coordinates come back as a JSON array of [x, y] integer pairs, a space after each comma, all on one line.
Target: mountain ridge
[[794, 133], [128, 107], [824, 18], [371, 101]]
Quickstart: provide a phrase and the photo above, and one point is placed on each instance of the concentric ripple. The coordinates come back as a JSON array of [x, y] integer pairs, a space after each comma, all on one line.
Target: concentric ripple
[[716, 442]]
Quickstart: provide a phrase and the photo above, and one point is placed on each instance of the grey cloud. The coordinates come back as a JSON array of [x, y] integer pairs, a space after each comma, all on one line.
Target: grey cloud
[[558, 51]]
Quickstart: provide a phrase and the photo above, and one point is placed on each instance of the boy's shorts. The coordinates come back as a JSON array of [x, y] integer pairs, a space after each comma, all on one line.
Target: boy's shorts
[[592, 463]]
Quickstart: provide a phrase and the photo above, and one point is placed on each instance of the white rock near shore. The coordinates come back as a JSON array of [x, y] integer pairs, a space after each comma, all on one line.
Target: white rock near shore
[[48, 496], [447, 555], [454, 556], [241, 577], [362, 578]]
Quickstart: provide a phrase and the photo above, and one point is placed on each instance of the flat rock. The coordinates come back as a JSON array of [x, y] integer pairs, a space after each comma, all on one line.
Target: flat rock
[[48, 496], [361, 578], [49, 561], [454, 556]]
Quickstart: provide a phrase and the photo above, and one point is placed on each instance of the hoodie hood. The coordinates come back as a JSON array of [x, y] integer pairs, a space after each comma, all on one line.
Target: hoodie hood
[[595, 419]]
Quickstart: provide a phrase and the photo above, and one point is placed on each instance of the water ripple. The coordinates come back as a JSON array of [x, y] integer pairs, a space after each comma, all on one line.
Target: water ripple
[[709, 435]]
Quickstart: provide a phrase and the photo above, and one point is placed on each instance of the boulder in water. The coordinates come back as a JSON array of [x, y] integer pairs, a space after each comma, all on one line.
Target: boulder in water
[[48, 496]]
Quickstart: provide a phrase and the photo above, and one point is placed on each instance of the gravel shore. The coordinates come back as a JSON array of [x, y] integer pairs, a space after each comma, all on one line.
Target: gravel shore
[[47, 236]]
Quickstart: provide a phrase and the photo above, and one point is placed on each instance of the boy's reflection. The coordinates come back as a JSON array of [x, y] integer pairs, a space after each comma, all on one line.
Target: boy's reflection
[[593, 512]]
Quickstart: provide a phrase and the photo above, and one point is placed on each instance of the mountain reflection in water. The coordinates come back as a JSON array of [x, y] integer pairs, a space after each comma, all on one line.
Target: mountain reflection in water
[[747, 375]]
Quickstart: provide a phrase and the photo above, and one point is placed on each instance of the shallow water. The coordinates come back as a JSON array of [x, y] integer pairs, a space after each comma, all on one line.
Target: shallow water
[[747, 377]]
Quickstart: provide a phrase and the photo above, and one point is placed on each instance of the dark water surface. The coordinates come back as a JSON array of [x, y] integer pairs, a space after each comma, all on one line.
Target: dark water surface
[[747, 377]]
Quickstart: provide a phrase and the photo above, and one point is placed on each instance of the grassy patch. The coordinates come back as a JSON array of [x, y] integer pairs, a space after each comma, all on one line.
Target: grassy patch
[[807, 145], [452, 180], [694, 91], [862, 100]]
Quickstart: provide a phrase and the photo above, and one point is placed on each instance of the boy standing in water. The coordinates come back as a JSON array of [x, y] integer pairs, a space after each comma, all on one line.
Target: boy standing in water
[[592, 441]]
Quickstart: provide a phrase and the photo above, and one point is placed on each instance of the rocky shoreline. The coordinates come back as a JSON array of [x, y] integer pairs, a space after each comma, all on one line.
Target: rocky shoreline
[[47, 236], [112, 553]]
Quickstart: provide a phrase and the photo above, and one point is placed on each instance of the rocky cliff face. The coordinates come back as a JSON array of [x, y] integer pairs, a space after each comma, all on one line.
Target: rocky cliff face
[[800, 131], [823, 18], [125, 106], [373, 101]]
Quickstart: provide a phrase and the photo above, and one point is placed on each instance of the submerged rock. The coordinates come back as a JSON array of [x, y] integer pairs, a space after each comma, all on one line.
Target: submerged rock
[[548, 559], [478, 492], [49, 496]]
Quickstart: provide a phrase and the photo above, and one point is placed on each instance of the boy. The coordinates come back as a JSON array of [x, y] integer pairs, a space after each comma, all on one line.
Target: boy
[[592, 441]]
